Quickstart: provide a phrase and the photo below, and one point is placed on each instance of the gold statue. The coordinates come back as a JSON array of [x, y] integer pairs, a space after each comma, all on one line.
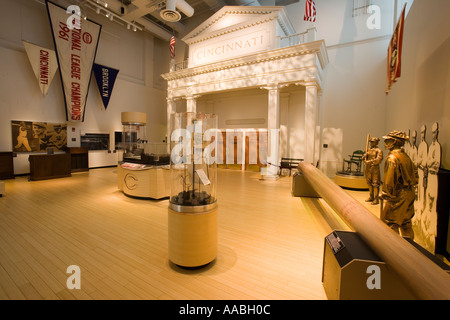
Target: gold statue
[[372, 159], [398, 185]]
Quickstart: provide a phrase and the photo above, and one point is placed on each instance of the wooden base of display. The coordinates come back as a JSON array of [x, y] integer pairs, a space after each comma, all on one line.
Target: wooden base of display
[[149, 183], [192, 237], [351, 181], [2, 188]]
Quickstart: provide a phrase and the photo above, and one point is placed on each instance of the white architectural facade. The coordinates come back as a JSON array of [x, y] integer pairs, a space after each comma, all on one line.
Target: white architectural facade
[[241, 48]]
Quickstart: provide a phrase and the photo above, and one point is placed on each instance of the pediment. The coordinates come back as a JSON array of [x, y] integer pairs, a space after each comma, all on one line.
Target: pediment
[[234, 18]]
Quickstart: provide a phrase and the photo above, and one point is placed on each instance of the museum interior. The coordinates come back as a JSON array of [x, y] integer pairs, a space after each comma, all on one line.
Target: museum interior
[[224, 150]]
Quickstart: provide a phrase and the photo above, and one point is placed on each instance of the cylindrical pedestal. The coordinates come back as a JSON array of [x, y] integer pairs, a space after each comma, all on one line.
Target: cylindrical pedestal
[[193, 235]]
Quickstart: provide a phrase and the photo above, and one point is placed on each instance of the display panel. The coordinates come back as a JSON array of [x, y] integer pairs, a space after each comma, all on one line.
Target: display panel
[[95, 141], [30, 136]]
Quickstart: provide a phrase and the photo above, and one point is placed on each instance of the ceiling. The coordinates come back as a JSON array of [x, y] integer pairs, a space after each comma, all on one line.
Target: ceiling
[[146, 13]]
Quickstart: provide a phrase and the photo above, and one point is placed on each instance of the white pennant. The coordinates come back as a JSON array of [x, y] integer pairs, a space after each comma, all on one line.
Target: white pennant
[[44, 64], [76, 47]]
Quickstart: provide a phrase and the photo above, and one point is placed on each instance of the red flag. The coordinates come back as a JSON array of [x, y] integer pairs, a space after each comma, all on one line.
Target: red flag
[[310, 11], [394, 60], [172, 47]]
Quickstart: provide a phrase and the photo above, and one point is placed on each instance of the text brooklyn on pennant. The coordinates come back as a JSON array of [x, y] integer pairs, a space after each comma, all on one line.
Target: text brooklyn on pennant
[[76, 47], [105, 77], [44, 64]]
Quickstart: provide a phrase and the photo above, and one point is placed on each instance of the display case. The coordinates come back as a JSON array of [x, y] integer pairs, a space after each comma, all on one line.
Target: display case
[[143, 170], [193, 202], [193, 167], [136, 148]]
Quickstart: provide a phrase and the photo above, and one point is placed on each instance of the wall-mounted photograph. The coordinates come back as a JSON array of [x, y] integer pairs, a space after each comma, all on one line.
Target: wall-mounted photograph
[[29, 136]]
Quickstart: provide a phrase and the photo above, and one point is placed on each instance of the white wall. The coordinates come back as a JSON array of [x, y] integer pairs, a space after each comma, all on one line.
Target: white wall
[[353, 102], [422, 94], [140, 58]]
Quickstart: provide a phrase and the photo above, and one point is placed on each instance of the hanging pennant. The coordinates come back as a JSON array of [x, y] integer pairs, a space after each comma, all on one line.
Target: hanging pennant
[[44, 64], [394, 59], [76, 47], [105, 77]]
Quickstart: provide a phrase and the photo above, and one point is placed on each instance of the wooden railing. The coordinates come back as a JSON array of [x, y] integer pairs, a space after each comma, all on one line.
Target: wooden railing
[[298, 38], [424, 278]]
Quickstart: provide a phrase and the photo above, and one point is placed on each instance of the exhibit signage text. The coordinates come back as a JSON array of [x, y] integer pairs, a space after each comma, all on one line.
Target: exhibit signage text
[[237, 46], [43, 66]]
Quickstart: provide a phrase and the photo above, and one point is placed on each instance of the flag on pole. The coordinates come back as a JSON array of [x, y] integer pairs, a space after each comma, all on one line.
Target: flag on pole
[[44, 64], [394, 60], [172, 47], [310, 11]]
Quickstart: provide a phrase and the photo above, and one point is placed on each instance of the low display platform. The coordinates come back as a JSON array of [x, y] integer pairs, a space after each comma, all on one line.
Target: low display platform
[[351, 181], [144, 181], [193, 236]]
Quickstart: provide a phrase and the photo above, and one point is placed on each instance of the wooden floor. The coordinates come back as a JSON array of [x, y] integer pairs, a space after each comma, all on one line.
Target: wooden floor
[[270, 243]]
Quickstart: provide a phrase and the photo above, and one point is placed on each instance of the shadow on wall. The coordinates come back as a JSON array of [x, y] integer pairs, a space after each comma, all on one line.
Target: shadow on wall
[[432, 74]]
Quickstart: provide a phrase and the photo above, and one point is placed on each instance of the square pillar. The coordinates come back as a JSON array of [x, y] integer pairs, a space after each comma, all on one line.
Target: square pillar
[[171, 108], [273, 130], [311, 101], [191, 103]]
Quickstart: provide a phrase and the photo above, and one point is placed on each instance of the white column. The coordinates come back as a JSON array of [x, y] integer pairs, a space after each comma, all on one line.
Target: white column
[[284, 125], [310, 121], [273, 130], [170, 109], [191, 103]]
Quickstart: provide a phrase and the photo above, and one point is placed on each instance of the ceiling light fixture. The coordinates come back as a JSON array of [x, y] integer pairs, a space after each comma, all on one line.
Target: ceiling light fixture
[[171, 14], [99, 5]]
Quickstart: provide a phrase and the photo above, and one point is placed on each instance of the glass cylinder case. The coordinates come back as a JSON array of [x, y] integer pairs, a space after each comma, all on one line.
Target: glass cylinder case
[[193, 145], [136, 148]]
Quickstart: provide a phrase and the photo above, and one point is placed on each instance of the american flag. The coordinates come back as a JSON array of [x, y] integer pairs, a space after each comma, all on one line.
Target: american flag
[[172, 46], [310, 11]]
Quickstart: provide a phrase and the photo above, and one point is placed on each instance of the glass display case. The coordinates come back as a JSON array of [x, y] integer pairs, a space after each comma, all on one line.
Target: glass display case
[[143, 171], [193, 165], [193, 209], [136, 148]]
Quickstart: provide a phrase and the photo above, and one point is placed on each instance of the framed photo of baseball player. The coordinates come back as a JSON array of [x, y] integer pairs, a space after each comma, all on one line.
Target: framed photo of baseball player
[[29, 136]]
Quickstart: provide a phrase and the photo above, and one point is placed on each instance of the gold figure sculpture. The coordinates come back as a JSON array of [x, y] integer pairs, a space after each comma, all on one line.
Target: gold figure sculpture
[[372, 159], [399, 185]]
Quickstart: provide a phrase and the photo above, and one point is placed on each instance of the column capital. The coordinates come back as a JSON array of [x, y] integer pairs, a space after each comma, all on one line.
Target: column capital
[[274, 86], [192, 97], [172, 99], [308, 83]]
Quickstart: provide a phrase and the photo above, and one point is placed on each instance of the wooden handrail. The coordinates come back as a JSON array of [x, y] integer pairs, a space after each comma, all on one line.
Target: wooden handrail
[[425, 279]]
